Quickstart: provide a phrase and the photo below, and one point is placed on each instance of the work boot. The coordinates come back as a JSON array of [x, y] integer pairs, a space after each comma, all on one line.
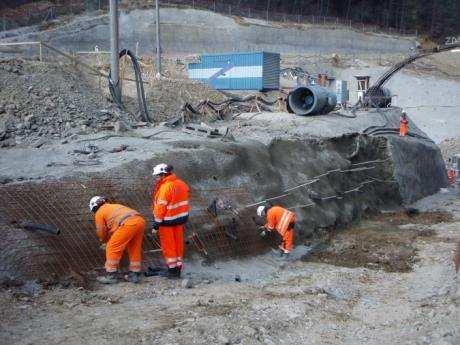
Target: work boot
[[133, 277], [156, 272], [174, 273], [109, 278]]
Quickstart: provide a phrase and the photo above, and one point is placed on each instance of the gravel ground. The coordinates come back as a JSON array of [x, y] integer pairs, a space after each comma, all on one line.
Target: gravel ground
[[276, 302]]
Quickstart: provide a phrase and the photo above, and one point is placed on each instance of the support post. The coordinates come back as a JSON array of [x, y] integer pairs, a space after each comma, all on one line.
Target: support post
[[40, 52], [157, 25], [268, 9], [114, 60]]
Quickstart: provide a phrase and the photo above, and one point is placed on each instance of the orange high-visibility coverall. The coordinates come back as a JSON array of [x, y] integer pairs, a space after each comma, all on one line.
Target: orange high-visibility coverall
[[403, 127], [283, 221], [451, 176], [121, 227], [170, 209]]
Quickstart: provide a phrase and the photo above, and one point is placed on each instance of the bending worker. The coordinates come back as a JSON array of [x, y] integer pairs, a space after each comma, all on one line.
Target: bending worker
[[119, 227], [170, 211], [281, 220]]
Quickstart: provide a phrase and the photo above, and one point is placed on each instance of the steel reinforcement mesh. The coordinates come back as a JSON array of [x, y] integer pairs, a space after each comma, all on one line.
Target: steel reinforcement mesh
[[216, 228]]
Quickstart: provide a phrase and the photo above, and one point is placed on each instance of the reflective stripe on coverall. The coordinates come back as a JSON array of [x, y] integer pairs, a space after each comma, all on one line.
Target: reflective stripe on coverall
[[282, 220], [170, 209], [121, 227]]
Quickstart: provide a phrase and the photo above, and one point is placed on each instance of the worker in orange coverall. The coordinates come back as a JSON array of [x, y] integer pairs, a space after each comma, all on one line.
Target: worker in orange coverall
[[281, 220], [403, 125], [170, 206], [119, 227]]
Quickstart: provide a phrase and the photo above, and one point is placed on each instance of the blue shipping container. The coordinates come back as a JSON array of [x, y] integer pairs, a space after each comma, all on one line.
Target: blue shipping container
[[238, 71]]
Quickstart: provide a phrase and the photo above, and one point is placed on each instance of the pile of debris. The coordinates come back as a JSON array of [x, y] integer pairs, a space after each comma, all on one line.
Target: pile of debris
[[449, 148], [54, 101], [230, 108], [51, 101]]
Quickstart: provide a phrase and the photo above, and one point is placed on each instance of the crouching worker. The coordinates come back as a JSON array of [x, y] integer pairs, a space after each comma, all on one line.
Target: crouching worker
[[281, 220], [170, 206], [121, 228]]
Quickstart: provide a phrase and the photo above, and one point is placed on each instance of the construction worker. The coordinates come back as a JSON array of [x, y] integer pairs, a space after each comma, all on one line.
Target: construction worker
[[170, 206], [403, 125], [281, 220], [119, 227]]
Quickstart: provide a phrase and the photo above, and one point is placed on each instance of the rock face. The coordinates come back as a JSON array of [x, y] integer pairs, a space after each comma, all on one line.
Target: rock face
[[418, 167], [329, 183]]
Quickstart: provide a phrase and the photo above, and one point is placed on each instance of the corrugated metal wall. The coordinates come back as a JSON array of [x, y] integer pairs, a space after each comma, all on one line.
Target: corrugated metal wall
[[238, 71], [271, 71]]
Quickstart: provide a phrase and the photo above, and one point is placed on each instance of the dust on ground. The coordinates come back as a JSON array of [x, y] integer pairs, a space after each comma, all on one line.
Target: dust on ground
[[380, 243], [272, 302]]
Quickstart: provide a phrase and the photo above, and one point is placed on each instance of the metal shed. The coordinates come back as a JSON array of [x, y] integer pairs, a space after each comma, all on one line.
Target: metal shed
[[238, 71]]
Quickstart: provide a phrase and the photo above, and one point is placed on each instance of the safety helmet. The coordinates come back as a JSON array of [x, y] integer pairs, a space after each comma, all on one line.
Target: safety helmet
[[260, 211], [96, 202], [161, 169]]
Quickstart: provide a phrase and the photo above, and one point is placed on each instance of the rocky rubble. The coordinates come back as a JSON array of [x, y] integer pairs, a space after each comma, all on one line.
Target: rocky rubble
[[449, 147], [41, 102]]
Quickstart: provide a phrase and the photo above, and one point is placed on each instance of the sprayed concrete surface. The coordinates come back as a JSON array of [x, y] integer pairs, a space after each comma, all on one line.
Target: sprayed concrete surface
[[432, 102], [186, 31], [275, 302], [270, 154], [258, 133]]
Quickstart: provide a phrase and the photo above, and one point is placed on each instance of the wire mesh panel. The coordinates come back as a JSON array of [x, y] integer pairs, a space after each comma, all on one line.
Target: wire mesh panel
[[62, 205]]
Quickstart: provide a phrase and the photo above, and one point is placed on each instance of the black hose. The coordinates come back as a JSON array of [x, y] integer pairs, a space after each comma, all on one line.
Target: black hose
[[51, 229], [387, 130], [139, 86], [377, 86]]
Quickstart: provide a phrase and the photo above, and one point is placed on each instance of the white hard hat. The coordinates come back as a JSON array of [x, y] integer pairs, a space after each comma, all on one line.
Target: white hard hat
[[161, 169], [96, 202], [260, 211]]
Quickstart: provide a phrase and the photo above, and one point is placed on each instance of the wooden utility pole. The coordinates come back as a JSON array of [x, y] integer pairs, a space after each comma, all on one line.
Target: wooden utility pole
[[157, 11], [114, 60]]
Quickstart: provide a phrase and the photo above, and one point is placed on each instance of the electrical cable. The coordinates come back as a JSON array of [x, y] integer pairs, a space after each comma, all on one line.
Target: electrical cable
[[139, 86], [315, 179]]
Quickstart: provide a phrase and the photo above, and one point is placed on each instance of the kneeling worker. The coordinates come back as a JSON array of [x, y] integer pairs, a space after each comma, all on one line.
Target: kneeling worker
[[170, 206], [120, 227], [281, 220]]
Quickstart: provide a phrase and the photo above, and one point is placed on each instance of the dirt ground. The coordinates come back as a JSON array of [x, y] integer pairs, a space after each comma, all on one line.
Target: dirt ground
[[265, 300]]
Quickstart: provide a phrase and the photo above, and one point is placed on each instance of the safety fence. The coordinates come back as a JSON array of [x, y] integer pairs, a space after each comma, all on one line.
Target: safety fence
[[44, 12], [302, 15]]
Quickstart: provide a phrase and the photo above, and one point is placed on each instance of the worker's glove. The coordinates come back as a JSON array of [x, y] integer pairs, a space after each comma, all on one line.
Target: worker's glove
[[263, 233], [103, 246], [154, 232]]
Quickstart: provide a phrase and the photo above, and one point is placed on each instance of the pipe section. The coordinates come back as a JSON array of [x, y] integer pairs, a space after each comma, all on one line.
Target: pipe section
[[311, 100]]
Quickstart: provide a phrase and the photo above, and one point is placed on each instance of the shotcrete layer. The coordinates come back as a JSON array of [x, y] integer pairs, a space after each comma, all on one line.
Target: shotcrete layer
[[328, 181]]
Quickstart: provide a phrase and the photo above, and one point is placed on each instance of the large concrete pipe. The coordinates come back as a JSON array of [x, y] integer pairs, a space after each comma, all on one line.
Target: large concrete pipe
[[311, 100]]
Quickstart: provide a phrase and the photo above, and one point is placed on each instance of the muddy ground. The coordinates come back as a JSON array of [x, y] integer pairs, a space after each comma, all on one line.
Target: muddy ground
[[411, 298]]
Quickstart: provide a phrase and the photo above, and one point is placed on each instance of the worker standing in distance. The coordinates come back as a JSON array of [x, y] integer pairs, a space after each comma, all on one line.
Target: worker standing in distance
[[170, 206], [119, 227], [403, 125], [281, 220]]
